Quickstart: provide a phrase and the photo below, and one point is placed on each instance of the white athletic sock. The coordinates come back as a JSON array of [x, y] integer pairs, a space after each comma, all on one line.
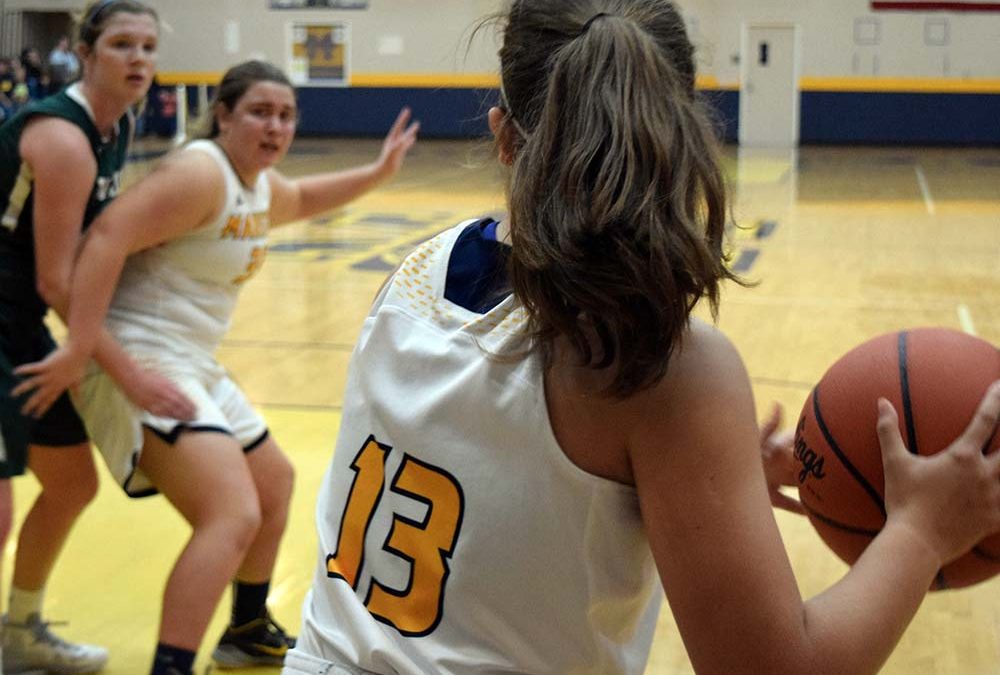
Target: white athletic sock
[[23, 604]]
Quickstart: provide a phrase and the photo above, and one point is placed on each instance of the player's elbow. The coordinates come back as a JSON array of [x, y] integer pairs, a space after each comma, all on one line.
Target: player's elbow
[[53, 289]]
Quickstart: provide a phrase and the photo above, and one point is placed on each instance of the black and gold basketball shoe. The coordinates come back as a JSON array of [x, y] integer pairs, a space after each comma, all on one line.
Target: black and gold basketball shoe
[[261, 642]]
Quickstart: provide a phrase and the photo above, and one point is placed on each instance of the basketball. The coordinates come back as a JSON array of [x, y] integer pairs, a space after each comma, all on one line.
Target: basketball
[[935, 378]]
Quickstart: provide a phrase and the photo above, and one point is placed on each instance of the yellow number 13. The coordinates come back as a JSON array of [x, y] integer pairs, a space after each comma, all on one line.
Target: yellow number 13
[[426, 545]]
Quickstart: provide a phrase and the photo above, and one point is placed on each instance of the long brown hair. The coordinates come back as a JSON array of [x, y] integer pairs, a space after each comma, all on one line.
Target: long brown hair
[[617, 200]]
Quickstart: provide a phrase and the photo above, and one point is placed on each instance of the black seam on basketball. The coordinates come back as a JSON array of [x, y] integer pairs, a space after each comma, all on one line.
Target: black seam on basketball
[[843, 527], [983, 554], [904, 384], [853, 470]]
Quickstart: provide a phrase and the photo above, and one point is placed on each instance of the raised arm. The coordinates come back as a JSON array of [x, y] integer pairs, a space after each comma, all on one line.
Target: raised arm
[[696, 461], [293, 200], [181, 194]]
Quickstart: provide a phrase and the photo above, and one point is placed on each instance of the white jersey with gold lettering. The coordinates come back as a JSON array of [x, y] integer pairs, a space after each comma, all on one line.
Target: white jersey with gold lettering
[[181, 295], [456, 537], [172, 307]]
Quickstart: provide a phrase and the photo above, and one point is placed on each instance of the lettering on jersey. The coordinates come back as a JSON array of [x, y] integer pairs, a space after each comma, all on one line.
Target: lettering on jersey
[[18, 196], [427, 545], [246, 226], [257, 257], [108, 188]]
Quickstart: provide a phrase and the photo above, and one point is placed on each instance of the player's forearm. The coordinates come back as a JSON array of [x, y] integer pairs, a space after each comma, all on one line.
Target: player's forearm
[[94, 280], [854, 625], [113, 358], [331, 190], [107, 352]]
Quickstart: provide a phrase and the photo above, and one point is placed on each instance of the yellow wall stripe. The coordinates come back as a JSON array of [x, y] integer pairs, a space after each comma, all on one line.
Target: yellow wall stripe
[[188, 77], [426, 80], [491, 81], [919, 85], [387, 80]]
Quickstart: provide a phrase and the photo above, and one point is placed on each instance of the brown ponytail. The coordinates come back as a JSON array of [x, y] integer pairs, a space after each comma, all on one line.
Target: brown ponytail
[[617, 200]]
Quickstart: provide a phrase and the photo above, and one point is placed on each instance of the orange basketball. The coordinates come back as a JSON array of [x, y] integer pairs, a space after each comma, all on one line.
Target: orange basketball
[[936, 379]]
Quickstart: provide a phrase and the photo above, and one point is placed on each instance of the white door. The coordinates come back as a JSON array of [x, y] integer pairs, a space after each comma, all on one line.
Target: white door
[[769, 85]]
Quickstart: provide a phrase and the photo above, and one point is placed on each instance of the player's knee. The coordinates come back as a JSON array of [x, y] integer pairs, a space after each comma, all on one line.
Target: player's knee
[[284, 480], [241, 524], [73, 490], [276, 494]]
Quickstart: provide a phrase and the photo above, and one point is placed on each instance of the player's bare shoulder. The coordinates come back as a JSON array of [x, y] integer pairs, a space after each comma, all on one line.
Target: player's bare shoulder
[[704, 363], [47, 137]]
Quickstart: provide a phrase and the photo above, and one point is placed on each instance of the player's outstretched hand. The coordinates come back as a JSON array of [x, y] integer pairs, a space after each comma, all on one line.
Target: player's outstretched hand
[[950, 499], [776, 448], [397, 143], [43, 382]]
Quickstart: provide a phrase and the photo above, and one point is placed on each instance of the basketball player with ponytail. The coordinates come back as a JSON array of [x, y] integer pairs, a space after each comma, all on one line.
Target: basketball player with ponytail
[[538, 436]]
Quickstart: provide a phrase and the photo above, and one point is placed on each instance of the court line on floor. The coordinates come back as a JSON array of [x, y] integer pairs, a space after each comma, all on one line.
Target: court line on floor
[[925, 190], [288, 344], [894, 304], [965, 320], [777, 382], [299, 407]]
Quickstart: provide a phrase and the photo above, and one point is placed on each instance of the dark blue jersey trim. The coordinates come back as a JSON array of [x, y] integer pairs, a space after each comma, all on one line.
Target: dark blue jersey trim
[[477, 276], [171, 437], [253, 445]]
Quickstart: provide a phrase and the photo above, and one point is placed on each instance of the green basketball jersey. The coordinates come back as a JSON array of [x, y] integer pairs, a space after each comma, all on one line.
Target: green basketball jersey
[[18, 294]]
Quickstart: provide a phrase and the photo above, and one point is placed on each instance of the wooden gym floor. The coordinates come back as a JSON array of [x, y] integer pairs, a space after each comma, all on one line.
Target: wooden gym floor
[[845, 244]]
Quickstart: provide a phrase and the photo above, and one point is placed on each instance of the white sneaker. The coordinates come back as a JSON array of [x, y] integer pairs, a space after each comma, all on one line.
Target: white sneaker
[[31, 647]]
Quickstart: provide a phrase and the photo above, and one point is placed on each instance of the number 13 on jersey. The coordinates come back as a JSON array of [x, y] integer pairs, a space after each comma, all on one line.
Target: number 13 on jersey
[[426, 545]]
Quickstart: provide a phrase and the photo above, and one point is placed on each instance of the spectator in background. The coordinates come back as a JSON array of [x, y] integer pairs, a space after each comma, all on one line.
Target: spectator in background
[[64, 67], [34, 73], [21, 91], [6, 89]]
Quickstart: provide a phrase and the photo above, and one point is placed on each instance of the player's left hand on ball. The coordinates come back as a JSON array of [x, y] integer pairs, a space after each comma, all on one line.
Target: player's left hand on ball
[[776, 452]]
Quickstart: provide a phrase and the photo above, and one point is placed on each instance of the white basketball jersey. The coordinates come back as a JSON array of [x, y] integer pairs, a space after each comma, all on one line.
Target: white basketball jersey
[[455, 535], [179, 297]]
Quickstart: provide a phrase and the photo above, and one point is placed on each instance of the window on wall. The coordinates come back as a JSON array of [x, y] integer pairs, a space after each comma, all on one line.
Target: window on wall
[[867, 31], [937, 31]]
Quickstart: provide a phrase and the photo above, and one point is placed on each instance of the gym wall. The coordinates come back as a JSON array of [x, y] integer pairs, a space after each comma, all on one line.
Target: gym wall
[[867, 77]]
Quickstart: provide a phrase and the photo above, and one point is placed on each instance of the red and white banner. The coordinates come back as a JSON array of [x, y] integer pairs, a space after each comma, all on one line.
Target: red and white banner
[[933, 6]]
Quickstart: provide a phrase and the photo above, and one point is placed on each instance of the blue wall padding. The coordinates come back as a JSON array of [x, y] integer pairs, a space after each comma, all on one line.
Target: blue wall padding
[[827, 117], [443, 113], [878, 117]]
